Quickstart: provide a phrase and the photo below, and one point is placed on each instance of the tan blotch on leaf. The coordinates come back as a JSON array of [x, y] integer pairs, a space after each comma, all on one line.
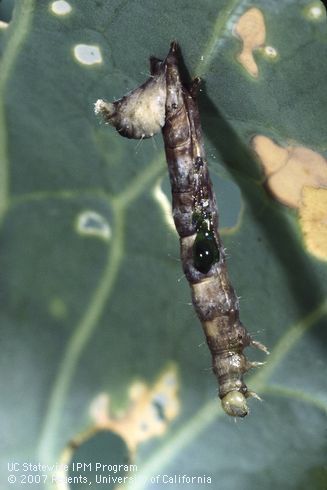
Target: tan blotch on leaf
[[313, 220], [251, 29], [289, 169], [148, 415]]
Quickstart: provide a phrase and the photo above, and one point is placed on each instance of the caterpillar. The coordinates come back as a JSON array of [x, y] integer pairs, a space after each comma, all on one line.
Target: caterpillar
[[195, 216]]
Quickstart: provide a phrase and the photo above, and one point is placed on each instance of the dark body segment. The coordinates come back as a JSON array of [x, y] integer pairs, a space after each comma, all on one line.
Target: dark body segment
[[203, 257]]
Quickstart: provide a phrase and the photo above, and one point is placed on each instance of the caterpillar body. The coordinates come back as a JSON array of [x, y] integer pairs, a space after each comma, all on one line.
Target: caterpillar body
[[196, 219]]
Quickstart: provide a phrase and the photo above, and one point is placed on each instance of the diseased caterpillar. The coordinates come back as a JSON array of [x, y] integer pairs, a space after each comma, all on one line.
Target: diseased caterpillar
[[141, 113], [163, 101]]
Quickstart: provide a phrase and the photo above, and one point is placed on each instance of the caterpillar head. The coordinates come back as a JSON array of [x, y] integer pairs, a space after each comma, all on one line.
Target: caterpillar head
[[234, 404]]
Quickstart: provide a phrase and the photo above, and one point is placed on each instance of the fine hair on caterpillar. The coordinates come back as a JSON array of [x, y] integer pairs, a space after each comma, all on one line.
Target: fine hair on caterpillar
[[164, 103]]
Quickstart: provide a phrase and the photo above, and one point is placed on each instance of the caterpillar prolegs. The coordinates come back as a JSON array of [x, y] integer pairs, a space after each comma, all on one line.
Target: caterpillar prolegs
[[164, 102]]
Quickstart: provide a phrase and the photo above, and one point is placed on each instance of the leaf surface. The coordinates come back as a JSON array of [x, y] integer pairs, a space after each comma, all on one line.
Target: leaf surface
[[91, 292]]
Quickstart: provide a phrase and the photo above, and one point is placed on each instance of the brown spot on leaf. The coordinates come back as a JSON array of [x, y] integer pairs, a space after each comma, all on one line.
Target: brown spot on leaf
[[252, 31], [148, 414], [289, 169], [313, 220]]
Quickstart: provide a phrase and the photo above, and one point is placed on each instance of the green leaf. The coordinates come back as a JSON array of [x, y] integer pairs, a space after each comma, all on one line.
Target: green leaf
[[91, 288]]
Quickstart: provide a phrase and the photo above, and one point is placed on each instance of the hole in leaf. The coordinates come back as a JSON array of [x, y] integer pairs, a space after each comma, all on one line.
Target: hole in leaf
[[6, 11], [94, 224], [102, 459], [316, 11], [159, 403], [87, 54], [61, 7]]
